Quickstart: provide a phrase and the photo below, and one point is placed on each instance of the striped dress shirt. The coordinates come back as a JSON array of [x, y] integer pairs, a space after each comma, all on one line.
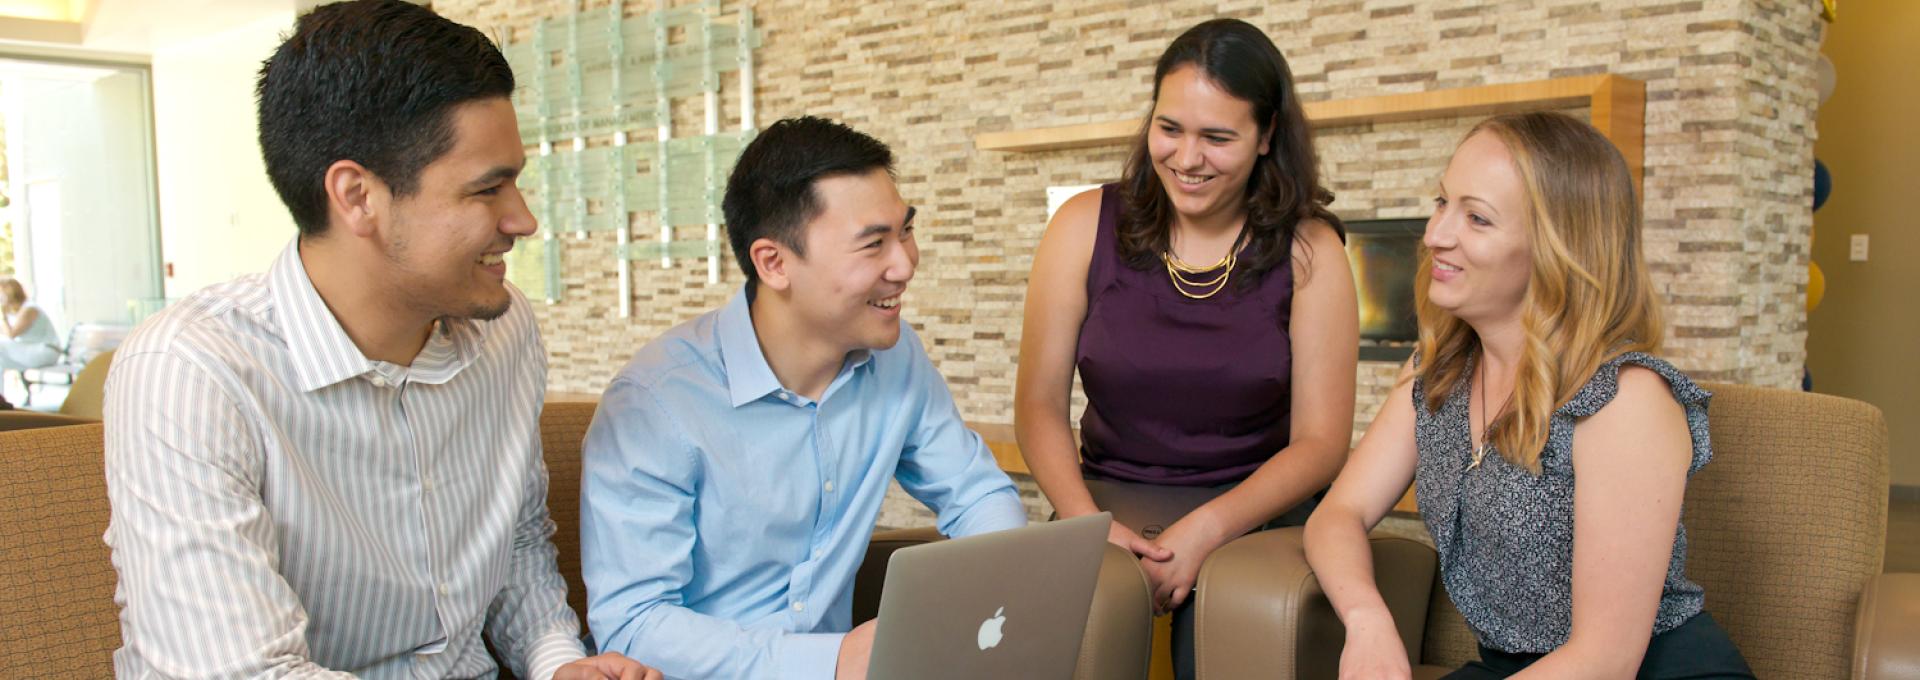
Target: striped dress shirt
[[284, 506]]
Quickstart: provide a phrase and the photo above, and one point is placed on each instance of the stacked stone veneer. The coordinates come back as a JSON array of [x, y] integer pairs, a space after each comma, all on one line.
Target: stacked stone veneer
[[1729, 139]]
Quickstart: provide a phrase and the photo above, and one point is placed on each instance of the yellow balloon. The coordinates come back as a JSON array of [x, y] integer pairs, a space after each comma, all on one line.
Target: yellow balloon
[[1816, 286]]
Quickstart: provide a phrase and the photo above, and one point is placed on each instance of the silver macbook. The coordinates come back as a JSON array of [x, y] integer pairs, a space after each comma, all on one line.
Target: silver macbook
[[1010, 604]]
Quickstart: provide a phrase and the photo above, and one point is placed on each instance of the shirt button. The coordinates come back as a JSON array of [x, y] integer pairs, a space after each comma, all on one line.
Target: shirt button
[[444, 590], [799, 606], [378, 381], [426, 485], [829, 486]]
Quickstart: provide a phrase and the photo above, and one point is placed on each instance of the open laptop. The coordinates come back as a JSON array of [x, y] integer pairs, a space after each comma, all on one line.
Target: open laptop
[[1010, 604]]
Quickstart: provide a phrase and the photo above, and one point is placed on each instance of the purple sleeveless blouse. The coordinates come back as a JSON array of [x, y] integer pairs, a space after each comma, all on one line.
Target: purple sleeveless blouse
[[1180, 391]]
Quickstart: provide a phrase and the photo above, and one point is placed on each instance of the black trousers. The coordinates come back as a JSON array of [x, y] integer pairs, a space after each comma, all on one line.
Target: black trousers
[[1699, 648]]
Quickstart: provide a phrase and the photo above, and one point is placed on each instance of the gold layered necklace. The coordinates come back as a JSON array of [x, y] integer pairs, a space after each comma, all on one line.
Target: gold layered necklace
[[1200, 289], [1179, 271]]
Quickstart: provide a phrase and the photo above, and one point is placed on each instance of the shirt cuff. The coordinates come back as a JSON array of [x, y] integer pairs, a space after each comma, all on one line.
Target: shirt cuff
[[808, 656], [551, 652]]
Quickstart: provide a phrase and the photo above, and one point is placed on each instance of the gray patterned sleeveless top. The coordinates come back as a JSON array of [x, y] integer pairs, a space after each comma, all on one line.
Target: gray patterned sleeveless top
[[1505, 536]]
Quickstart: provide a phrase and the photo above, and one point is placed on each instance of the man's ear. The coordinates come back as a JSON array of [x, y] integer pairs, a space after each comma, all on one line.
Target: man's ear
[[770, 261], [356, 198]]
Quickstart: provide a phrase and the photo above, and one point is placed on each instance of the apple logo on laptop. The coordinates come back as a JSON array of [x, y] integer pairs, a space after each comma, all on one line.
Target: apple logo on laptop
[[989, 636]]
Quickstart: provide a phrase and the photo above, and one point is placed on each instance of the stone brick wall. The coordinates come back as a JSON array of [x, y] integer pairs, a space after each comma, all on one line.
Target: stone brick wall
[[1729, 140]]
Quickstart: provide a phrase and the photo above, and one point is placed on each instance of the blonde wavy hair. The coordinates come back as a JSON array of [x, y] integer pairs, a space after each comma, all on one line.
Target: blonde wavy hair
[[13, 296], [1589, 298]]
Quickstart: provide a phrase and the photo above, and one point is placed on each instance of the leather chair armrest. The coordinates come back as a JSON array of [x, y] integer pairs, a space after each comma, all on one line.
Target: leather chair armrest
[[1886, 630], [1118, 643], [872, 575], [1261, 613]]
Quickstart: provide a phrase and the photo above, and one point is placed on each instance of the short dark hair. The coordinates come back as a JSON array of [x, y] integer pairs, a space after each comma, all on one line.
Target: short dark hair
[[374, 82], [771, 191]]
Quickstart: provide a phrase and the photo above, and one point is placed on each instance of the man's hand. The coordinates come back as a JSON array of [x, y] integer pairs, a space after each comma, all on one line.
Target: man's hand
[[855, 650], [609, 666]]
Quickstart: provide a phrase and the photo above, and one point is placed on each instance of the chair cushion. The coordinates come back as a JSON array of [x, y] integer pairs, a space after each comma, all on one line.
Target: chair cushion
[[1788, 524], [58, 612]]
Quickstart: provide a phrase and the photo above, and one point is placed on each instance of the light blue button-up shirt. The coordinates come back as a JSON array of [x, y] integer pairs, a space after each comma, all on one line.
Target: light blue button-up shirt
[[723, 516]]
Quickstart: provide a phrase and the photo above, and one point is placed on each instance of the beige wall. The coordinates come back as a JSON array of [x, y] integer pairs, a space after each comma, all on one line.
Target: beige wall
[[1861, 343], [219, 217]]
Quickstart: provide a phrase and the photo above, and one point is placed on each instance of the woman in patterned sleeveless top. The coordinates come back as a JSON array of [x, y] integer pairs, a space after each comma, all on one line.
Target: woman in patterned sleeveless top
[[1206, 304], [1534, 384]]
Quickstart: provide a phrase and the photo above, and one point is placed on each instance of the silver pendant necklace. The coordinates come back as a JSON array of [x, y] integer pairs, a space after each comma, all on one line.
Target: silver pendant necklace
[[1486, 429]]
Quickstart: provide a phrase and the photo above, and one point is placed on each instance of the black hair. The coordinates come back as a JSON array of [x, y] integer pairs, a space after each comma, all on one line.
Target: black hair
[[374, 82], [771, 191], [1285, 185]]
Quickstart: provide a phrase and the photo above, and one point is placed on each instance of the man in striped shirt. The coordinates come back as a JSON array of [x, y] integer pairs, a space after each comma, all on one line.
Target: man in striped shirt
[[334, 469]]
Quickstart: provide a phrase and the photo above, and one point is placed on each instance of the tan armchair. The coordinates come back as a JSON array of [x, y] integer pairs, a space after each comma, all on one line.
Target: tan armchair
[[87, 397], [57, 615], [1787, 531]]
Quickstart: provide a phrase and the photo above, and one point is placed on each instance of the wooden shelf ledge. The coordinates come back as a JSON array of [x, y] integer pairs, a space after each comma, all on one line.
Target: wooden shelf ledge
[[1618, 107]]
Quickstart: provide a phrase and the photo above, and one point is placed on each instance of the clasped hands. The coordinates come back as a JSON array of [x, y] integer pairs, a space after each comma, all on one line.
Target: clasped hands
[[1172, 559]]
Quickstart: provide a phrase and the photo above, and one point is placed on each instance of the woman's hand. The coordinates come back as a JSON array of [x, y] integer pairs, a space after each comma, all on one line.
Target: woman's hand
[[1189, 542], [1373, 650], [1118, 534]]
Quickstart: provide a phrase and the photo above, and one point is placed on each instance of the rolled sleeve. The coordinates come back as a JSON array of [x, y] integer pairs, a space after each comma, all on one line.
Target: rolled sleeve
[[548, 654]]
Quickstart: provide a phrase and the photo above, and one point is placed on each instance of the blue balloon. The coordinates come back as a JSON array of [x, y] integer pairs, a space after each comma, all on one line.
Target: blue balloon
[[1822, 184]]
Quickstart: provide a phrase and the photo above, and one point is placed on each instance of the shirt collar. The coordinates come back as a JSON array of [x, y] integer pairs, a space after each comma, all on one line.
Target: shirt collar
[[749, 377], [322, 352]]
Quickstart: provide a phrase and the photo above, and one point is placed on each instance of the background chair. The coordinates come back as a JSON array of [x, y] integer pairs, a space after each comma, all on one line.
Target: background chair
[[1786, 531], [85, 341], [87, 397]]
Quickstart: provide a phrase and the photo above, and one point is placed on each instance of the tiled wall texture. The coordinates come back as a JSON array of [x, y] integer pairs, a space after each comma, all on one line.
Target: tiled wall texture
[[1729, 139]]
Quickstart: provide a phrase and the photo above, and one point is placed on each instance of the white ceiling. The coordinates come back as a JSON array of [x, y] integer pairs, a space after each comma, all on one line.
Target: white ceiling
[[143, 26]]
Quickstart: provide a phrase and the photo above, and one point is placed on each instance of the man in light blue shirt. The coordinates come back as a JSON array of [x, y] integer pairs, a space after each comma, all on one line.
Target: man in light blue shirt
[[736, 465]]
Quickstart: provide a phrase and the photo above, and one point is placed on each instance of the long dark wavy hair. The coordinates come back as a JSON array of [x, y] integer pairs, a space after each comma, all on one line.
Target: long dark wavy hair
[[1284, 187]]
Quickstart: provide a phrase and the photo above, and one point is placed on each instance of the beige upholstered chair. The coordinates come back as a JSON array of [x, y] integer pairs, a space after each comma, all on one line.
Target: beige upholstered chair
[[87, 397], [1787, 531], [57, 615]]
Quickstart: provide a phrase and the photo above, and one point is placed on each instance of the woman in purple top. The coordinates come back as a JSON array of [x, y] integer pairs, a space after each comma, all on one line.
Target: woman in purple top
[[1197, 298]]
